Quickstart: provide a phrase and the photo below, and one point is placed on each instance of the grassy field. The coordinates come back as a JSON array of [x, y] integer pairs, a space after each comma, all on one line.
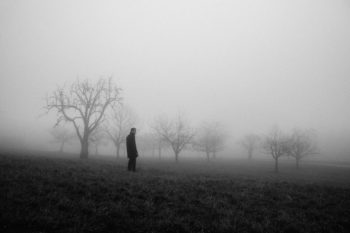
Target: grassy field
[[50, 194]]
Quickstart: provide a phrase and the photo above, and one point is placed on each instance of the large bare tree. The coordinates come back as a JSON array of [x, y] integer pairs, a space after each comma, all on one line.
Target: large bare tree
[[276, 144], [84, 105], [301, 144], [210, 139], [118, 126], [250, 143], [177, 133]]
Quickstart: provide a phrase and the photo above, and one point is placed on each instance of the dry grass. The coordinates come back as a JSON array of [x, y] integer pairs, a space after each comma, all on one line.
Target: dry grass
[[41, 194]]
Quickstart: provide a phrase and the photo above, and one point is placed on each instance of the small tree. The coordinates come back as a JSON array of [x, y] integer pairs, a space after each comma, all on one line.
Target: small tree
[[160, 145], [218, 139], [62, 136], [177, 133], [250, 143], [275, 144], [301, 144], [210, 139], [84, 105], [118, 126]]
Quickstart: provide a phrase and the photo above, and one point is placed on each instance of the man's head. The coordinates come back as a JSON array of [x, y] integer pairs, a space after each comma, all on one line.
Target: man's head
[[133, 131]]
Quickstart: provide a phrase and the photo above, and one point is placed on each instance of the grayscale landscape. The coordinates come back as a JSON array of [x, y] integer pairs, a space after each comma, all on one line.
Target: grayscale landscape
[[234, 113]]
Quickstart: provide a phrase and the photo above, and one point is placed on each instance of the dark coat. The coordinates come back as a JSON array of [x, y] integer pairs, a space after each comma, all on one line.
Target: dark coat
[[131, 146]]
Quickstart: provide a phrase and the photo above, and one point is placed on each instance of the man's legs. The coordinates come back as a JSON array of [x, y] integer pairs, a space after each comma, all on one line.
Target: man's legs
[[134, 164], [129, 164]]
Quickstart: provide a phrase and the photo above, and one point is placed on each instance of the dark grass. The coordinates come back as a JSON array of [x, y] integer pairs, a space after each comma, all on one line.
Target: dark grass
[[41, 194]]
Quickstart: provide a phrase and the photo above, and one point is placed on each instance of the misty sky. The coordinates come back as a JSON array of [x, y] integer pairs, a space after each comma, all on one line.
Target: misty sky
[[248, 64]]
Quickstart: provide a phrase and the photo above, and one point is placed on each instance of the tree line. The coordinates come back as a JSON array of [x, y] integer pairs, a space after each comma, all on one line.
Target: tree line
[[298, 144], [97, 114]]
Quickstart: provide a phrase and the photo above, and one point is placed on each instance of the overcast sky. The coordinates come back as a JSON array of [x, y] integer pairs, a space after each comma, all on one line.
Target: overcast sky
[[248, 64]]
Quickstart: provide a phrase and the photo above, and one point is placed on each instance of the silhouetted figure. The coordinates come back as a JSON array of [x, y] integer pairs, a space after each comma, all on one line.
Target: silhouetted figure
[[131, 150]]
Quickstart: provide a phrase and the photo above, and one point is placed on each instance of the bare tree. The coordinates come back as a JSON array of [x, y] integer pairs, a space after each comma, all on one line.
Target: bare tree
[[210, 139], [98, 138], [219, 137], [275, 143], [301, 144], [118, 126], [147, 142], [160, 145], [153, 142], [84, 105], [177, 133], [250, 143], [62, 136]]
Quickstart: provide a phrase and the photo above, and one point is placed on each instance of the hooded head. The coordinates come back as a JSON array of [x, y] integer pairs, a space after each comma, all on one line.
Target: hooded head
[[133, 131]]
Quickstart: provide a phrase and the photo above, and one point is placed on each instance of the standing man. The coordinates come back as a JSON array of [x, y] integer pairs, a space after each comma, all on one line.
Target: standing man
[[131, 149]]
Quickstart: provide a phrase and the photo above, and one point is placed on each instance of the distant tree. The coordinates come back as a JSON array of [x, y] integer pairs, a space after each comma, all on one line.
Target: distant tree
[[97, 139], [301, 144], [276, 144], [152, 142], [176, 133], [84, 105], [210, 139], [146, 142], [219, 138], [160, 145], [62, 136], [250, 143], [118, 126]]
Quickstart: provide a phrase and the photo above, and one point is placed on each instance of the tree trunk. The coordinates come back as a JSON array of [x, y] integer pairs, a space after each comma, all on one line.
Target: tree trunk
[[96, 150], [159, 152], [153, 150], [208, 155], [276, 165], [214, 154], [250, 155], [61, 147], [177, 157], [297, 161], [84, 153], [118, 151]]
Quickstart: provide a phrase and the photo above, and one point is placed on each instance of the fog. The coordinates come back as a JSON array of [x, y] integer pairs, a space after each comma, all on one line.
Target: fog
[[247, 64]]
